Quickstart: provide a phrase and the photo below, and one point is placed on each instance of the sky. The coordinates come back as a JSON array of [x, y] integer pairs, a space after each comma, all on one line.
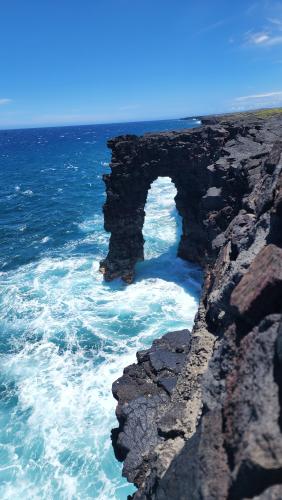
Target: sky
[[66, 62]]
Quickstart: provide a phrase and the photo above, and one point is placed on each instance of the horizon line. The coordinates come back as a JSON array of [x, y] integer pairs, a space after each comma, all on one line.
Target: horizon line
[[29, 127], [187, 117]]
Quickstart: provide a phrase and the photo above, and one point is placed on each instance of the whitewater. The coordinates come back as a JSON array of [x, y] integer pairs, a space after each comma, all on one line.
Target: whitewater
[[65, 334]]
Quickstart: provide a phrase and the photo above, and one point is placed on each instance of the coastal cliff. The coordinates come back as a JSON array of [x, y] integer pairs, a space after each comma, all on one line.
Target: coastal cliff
[[200, 413]]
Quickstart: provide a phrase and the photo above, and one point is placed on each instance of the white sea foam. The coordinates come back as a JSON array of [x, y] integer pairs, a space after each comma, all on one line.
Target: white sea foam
[[77, 333], [70, 166], [27, 192], [45, 239]]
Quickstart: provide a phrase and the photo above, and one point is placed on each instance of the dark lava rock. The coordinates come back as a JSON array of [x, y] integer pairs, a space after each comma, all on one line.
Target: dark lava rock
[[260, 290], [200, 415], [143, 395]]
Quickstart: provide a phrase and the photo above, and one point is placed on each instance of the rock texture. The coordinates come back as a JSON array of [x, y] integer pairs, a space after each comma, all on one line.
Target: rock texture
[[143, 394], [200, 414]]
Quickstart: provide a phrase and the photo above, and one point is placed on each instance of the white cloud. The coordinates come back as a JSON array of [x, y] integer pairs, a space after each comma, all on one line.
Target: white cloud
[[274, 40], [255, 101], [212, 26], [263, 39], [277, 22], [260, 96], [258, 38], [5, 101], [269, 36]]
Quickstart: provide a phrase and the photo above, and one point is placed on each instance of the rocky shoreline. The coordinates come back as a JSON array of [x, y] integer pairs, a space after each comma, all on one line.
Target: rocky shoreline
[[200, 414]]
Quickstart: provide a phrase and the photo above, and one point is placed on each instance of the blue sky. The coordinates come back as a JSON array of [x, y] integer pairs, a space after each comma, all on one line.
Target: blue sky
[[97, 61]]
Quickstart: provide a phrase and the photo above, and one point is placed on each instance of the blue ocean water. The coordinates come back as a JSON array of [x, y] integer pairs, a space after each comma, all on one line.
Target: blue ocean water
[[65, 335]]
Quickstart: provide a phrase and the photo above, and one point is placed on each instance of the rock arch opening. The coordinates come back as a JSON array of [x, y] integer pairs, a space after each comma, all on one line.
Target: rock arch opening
[[162, 223]]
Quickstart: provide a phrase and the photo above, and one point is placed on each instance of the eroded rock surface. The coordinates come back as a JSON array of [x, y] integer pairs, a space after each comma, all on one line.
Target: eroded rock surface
[[200, 414], [143, 394]]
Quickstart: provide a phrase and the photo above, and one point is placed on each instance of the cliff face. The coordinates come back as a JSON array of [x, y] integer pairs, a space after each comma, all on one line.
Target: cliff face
[[200, 414]]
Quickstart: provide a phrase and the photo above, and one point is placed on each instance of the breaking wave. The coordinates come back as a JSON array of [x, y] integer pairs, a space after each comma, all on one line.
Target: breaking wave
[[66, 335]]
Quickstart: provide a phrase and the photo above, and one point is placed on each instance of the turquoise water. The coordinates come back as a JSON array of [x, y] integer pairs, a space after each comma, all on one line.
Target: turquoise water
[[65, 335]]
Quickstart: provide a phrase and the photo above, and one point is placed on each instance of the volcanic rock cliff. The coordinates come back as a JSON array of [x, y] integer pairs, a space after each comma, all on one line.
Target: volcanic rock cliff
[[200, 414]]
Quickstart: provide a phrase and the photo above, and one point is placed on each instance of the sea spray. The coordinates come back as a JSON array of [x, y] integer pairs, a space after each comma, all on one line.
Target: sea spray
[[66, 335]]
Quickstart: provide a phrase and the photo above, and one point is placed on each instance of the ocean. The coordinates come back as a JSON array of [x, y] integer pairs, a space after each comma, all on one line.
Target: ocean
[[65, 334]]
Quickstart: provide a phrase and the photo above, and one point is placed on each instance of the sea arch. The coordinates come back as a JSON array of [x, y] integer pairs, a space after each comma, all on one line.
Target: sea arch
[[136, 163]]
